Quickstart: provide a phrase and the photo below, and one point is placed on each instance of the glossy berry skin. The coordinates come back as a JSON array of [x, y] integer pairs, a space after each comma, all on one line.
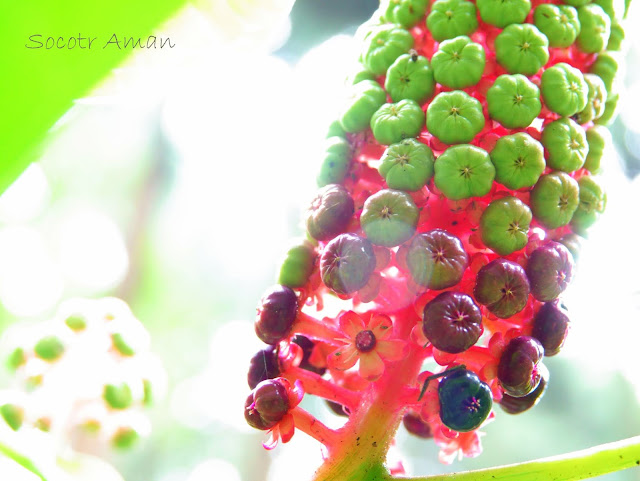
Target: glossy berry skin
[[414, 424], [263, 365], [503, 287], [517, 369], [465, 401], [266, 405], [389, 218], [517, 405], [329, 213], [437, 259], [452, 322], [550, 270], [347, 263], [550, 327], [276, 314]]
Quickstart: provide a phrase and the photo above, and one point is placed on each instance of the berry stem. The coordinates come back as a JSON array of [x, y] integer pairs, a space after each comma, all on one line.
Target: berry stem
[[308, 424], [315, 329], [314, 384]]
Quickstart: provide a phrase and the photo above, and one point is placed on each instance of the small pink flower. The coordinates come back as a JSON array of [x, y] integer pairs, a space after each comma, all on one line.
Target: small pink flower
[[285, 428], [466, 445], [367, 344]]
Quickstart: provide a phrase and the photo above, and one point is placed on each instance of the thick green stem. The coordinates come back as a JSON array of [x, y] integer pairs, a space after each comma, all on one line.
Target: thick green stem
[[574, 466]]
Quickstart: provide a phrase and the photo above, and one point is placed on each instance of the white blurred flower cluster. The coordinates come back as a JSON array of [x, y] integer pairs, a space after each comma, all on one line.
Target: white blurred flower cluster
[[84, 376]]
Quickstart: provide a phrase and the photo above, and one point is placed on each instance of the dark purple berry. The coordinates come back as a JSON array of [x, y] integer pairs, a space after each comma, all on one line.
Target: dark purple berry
[[452, 322], [347, 263], [437, 259], [465, 401], [330, 212], [549, 269], [517, 405], [337, 408], [264, 365], [518, 367], [276, 314], [550, 327], [307, 348], [266, 405], [503, 287], [414, 424]]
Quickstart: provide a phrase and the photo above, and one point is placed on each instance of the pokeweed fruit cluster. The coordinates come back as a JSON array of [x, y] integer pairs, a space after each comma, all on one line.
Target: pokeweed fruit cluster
[[457, 186], [85, 376]]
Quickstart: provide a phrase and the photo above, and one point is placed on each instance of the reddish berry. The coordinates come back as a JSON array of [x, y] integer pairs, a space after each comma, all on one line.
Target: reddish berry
[[550, 327], [264, 365], [503, 287], [550, 269], [266, 405], [330, 212], [276, 313], [414, 424], [517, 405], [347, 263], [452, 322], [517, 370]]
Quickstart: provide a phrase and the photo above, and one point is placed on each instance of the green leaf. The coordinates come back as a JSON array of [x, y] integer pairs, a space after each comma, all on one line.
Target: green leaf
[[39, 85]]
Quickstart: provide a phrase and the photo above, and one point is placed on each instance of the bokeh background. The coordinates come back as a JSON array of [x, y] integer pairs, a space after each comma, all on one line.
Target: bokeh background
[[178, 184]]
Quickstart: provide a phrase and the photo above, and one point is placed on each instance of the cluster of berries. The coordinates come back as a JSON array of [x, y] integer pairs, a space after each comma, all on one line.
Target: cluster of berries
[[457, 186], [87, 379]]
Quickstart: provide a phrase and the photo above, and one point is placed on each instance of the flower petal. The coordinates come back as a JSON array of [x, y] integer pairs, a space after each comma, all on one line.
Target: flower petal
[[392, 350], [381, 326], [351, 324], [274, 437], [343, 358], [287, 428], [371, 366], [295, 394]]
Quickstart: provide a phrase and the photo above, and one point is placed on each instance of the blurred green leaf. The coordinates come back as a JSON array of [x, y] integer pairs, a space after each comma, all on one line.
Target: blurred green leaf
[[38, 85]]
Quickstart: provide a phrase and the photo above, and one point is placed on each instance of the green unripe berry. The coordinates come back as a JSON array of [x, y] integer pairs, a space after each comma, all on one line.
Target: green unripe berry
[[519, 160], [458, 63], [564, 89], [389, 218], [613, 8], [336, 162], [522, 48], [118, 397], [606, 67], [16, 359], [464, 171], [124, 438], [554, 199], [617, 36], [598, 137], [596, 99], [393, 122], [455, 117], [13, 415], [610, 110], [503, 12], [577, 3], [592, 203], [407, 165], [49, 348], [297, 265], [452, 18], [504, 225], [558, 22], [514, 101], [365, 98], [595, 28], [566, 145], [405, 12], [385, 44], [121, 345], [76, 322], [410, 77]]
